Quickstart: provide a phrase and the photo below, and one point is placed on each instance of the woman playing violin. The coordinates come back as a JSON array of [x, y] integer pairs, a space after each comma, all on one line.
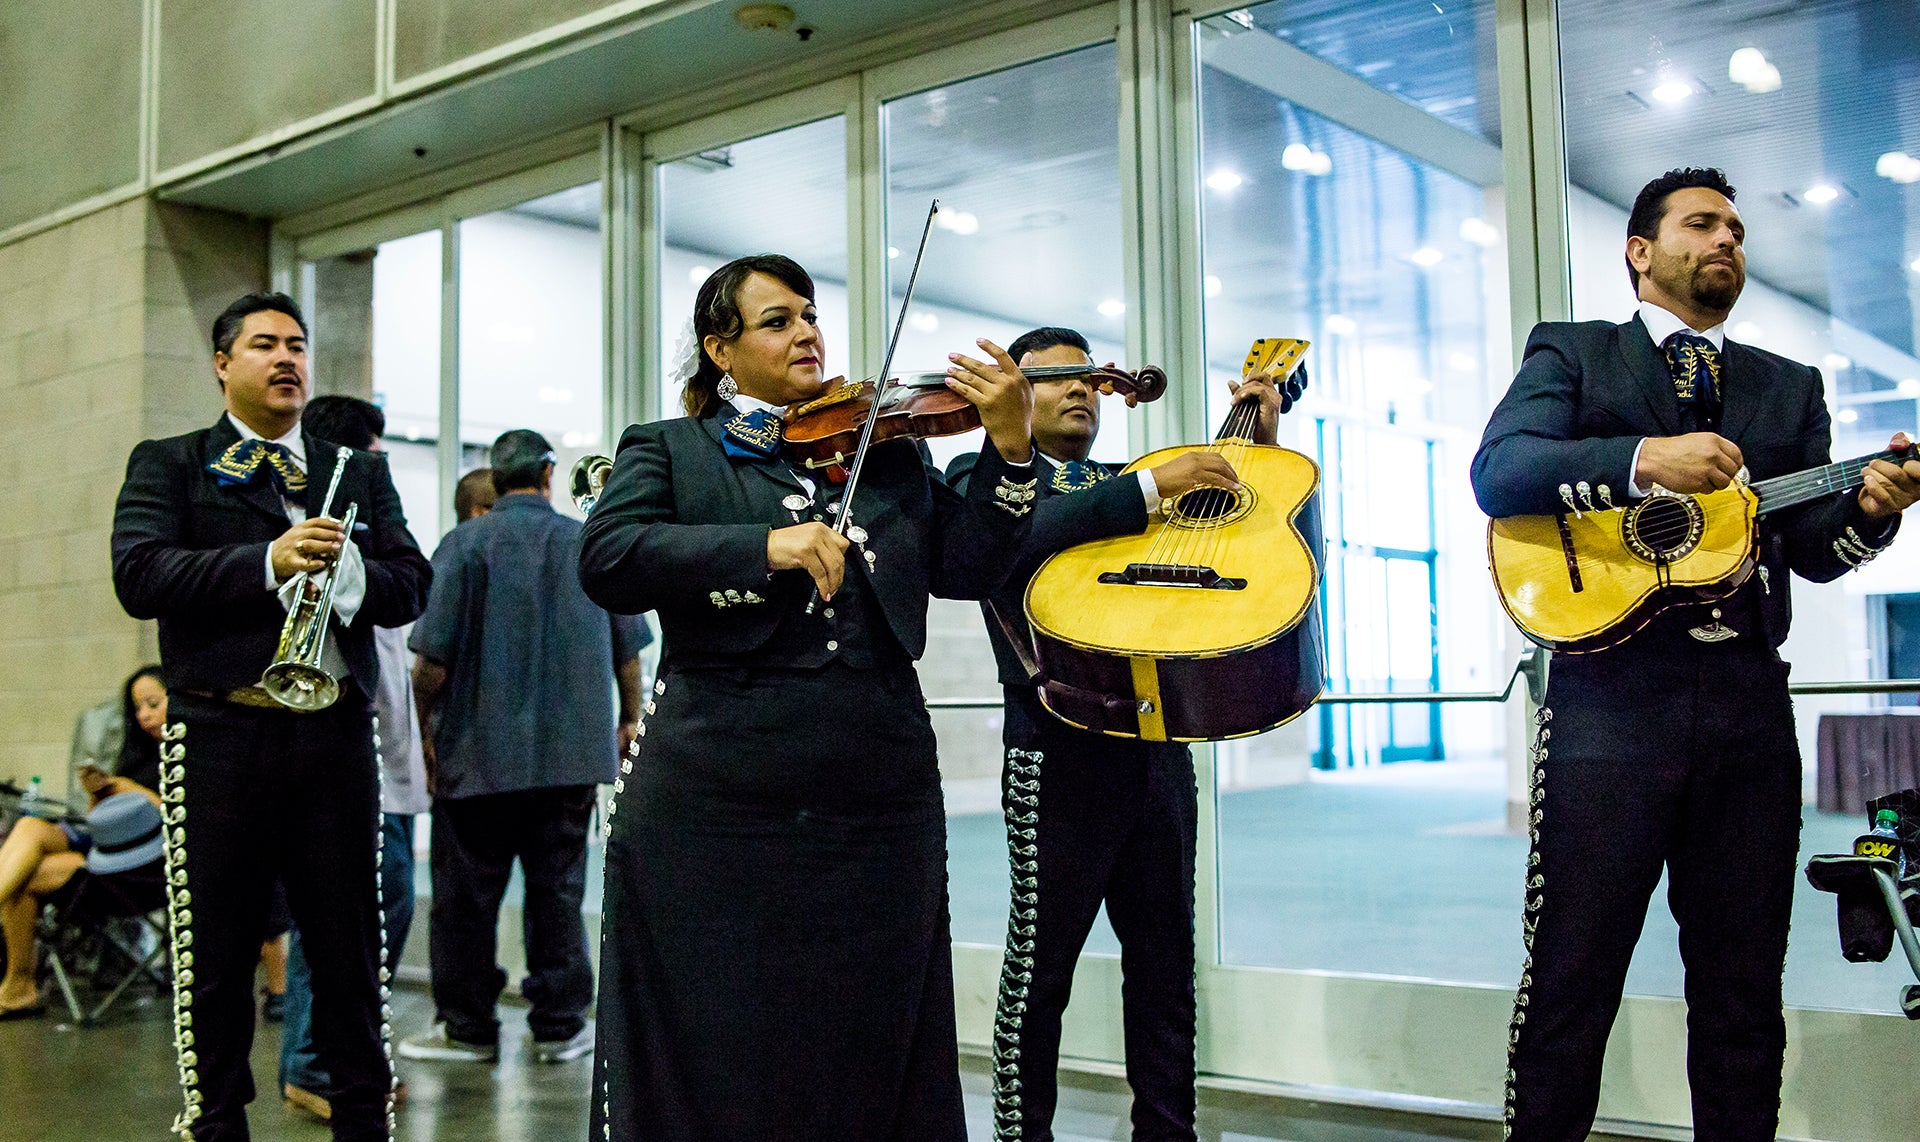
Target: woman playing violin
[[776, 959]]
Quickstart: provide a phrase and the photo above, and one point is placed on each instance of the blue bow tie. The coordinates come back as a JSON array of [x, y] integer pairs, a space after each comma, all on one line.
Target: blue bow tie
[[753, 436], [243, 458], [1695, 366], [1078, 475]]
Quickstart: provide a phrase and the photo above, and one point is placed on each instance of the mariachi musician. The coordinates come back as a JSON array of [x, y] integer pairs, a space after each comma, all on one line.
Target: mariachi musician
[[776, 960], [209, 529], [1093, 819], [1676, 747]]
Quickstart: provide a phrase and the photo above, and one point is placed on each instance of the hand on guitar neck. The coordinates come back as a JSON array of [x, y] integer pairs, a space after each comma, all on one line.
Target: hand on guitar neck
[[1886, 488]]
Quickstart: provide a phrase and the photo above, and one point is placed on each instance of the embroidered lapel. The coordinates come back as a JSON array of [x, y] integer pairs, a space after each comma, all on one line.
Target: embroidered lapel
[[1648, 367]]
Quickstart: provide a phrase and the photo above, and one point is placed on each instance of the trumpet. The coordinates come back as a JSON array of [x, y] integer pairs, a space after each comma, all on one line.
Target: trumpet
[[295, 678], [588, 479]]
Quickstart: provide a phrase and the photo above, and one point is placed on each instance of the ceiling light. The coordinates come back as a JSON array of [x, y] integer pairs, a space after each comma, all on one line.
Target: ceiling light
[[1750, 69], [1479, 231], [1212, 286], [893, 251], [957, 221], [1910, 387], [1820, 194], [413, 432], [924, 322], [1112, 307], [1300, 157], [1847, 415], [1835, 362], [1898, 166], [1914, 265], [1746, 331], [1426, 257], [1224, 180], [1340, 325], [698, 275], [1673, 91]]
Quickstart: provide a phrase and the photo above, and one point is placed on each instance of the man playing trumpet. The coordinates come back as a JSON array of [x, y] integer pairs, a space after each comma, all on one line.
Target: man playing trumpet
[[213, 534]]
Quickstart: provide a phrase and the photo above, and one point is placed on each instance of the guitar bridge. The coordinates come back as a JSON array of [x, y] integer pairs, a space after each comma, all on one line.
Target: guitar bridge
[[1173, 575]]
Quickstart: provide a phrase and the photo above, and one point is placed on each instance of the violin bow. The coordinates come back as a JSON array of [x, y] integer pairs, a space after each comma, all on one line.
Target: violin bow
[[845, 517]]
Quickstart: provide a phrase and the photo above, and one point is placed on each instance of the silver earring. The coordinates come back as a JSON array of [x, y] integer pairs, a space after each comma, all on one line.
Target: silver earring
[[726, 389]]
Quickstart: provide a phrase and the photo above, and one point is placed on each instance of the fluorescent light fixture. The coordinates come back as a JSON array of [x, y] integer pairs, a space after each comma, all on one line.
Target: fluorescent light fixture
[[1224, 180], [1820, 194], [1898, 166], [1910, 387], [1302, 158], [1673, 91], [698, 275], [1479, 231], [1340, 325], [1426, 257], [1834, 362], [1847, 415], [1746, 331], [957, 221], [1749, 68], [1112, 307], [1212, 286], [923, 321]]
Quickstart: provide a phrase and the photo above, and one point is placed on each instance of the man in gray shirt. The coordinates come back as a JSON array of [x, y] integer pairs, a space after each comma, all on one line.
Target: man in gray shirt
[[515, 682]]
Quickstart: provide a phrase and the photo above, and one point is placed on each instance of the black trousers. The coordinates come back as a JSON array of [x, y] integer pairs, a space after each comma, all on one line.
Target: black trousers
[[1092, 819], [475, 842], [1673, 753], [253, 797]]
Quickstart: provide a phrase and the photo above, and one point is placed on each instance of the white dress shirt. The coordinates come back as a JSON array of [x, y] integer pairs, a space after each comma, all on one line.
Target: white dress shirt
[[1661, 325]]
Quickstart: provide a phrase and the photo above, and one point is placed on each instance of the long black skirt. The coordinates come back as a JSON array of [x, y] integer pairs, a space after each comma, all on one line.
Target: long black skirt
[[775, 960]]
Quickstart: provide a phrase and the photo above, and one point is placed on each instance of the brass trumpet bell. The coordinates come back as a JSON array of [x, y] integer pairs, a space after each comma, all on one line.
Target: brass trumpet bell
[[588, 479], [299, 686]]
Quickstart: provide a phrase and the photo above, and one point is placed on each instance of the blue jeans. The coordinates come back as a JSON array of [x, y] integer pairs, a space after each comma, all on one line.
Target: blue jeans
[[298, 1064]]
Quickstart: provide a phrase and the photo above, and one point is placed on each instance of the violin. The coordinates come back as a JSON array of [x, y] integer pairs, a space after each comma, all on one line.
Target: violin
[[825, 431]]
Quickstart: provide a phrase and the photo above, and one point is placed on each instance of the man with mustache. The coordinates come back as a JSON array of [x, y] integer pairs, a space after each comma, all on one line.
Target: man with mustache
[[209, 533], [1092, 819], [1674, 749]]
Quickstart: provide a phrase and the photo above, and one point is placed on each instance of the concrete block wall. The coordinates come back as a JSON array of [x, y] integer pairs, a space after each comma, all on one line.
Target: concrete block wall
[[97, 352]]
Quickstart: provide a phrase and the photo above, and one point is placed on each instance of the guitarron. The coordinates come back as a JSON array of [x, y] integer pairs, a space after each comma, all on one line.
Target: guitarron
[[1584, 580], [1206, 626]]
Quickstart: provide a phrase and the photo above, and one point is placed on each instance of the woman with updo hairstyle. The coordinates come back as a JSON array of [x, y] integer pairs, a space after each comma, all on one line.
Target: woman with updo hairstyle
[[776, 960]]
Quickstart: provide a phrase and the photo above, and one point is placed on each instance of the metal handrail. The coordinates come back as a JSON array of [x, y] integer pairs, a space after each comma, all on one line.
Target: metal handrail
[[1531, 666]]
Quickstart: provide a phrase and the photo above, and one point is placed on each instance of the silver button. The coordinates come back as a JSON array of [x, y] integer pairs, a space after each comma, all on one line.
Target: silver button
[[832, 645], [829, 612]]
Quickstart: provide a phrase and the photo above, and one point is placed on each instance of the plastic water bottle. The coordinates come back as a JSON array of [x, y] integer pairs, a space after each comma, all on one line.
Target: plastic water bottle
[[1884, 840], [33, 803]]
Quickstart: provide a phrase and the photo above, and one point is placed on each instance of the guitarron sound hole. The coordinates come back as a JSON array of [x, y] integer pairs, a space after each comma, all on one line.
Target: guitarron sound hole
[[1663, 528], [1210, 507]]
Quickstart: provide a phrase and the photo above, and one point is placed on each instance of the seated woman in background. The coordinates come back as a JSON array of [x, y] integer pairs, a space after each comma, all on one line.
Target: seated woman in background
[[39, 858]]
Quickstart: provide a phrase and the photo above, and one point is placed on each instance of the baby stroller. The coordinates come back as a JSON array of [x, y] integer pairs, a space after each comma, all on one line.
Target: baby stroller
[[1878, 885]]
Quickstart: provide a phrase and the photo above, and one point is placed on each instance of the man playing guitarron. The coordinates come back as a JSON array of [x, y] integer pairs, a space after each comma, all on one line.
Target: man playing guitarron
[[1674, 748], [1090, 818]]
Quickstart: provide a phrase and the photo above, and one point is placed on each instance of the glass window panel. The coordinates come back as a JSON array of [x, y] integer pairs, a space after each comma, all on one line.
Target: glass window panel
[[1026, 165], [375, 318], [530, 328], [1395, 269], [783, 193], [1813, 112]]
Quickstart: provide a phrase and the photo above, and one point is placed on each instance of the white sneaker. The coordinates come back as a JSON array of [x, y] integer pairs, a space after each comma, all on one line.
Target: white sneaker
[[438, 1046], [564, 1050]]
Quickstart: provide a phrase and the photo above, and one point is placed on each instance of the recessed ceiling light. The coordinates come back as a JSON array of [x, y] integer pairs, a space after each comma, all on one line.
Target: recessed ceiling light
[[1426, 257], [1224, 180], [1749, 68], [1910, 387], [1835, 362], [893, 251], [1820, 194], [1112, 307], [957, 221], [1340, 325], [1300, 157], [1914, 265], [1673, 91], [1847, 415], [1898, 166], [1212, 286], [1479, 231]]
